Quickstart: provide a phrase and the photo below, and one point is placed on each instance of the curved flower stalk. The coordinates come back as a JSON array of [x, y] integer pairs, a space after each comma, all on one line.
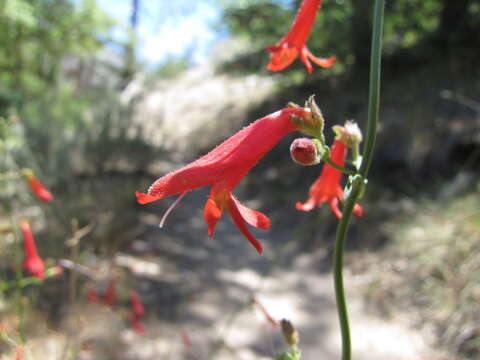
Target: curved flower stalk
[[225, 166], [327, 187], [37, 187], [293, 43], [32, 262]]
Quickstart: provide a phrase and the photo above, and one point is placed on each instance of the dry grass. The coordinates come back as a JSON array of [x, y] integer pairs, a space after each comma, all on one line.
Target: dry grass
[[431, 270]]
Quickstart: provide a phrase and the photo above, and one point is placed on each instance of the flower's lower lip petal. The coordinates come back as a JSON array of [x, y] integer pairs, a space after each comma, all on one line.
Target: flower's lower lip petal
[[241, 225], [253, 217], [304, 58], [334, 206], [211, 213], [322, 62], [307, 206], [358, 210]]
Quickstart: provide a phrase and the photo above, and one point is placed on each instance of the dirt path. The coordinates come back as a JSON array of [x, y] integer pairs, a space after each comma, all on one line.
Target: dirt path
[[202, 290]]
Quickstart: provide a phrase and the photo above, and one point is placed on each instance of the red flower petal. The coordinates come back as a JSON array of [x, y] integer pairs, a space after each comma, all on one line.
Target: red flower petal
[[211, 213], [281, 57], [253, 217], [37, 187], [241, 225], [32, 262], [137, 305], [358, 210]]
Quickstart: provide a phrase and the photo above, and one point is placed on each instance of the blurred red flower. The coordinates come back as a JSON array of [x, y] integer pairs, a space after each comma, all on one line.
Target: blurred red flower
[[186, 339], [224, 167], [19, 352], [294, 42], [92, 296], [37, 187], [137, 306], [111, 294], [32, 262], [136, 324], [327, 187]]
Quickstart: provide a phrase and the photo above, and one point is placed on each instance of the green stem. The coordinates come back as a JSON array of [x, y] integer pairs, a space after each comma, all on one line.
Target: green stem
[[358, 181], [374, 90], [344, 170], [342, 230]]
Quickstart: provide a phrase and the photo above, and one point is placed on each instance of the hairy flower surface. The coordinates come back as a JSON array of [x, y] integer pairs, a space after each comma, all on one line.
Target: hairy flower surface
[[327, 187], [38, 188], [32, 262], [293, 43], [224, 167]]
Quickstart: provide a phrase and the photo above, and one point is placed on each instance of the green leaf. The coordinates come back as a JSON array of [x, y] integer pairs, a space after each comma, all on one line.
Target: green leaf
[[20, 11]]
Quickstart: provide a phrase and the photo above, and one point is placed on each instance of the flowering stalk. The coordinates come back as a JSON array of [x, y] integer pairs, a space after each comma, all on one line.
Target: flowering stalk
[[358, 181]]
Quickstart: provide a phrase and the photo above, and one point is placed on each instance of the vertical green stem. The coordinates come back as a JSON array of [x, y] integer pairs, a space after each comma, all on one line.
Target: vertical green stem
[[374, 90], [359, 180]]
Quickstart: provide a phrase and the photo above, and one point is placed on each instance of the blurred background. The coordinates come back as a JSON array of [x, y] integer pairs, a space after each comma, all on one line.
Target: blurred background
[[101, 97]]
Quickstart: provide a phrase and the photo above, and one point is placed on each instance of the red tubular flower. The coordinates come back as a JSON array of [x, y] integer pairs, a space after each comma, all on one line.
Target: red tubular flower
[[293, 43], [32, 262], [137, 306], [186, 339], [224, 167], [327, 187], [136, 324], [111, 294], [19, 352], [38, 188], [92, 296]]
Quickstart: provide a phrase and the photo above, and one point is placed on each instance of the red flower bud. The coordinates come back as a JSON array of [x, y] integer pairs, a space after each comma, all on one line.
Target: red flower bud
[[304, 152]]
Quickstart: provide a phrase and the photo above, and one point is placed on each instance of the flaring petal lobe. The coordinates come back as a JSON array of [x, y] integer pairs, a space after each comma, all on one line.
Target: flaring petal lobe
[[253, 217], [212, 213], [241, 225]]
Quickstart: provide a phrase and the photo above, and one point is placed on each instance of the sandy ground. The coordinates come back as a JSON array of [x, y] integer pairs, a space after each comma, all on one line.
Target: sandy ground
[[199, 290]]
